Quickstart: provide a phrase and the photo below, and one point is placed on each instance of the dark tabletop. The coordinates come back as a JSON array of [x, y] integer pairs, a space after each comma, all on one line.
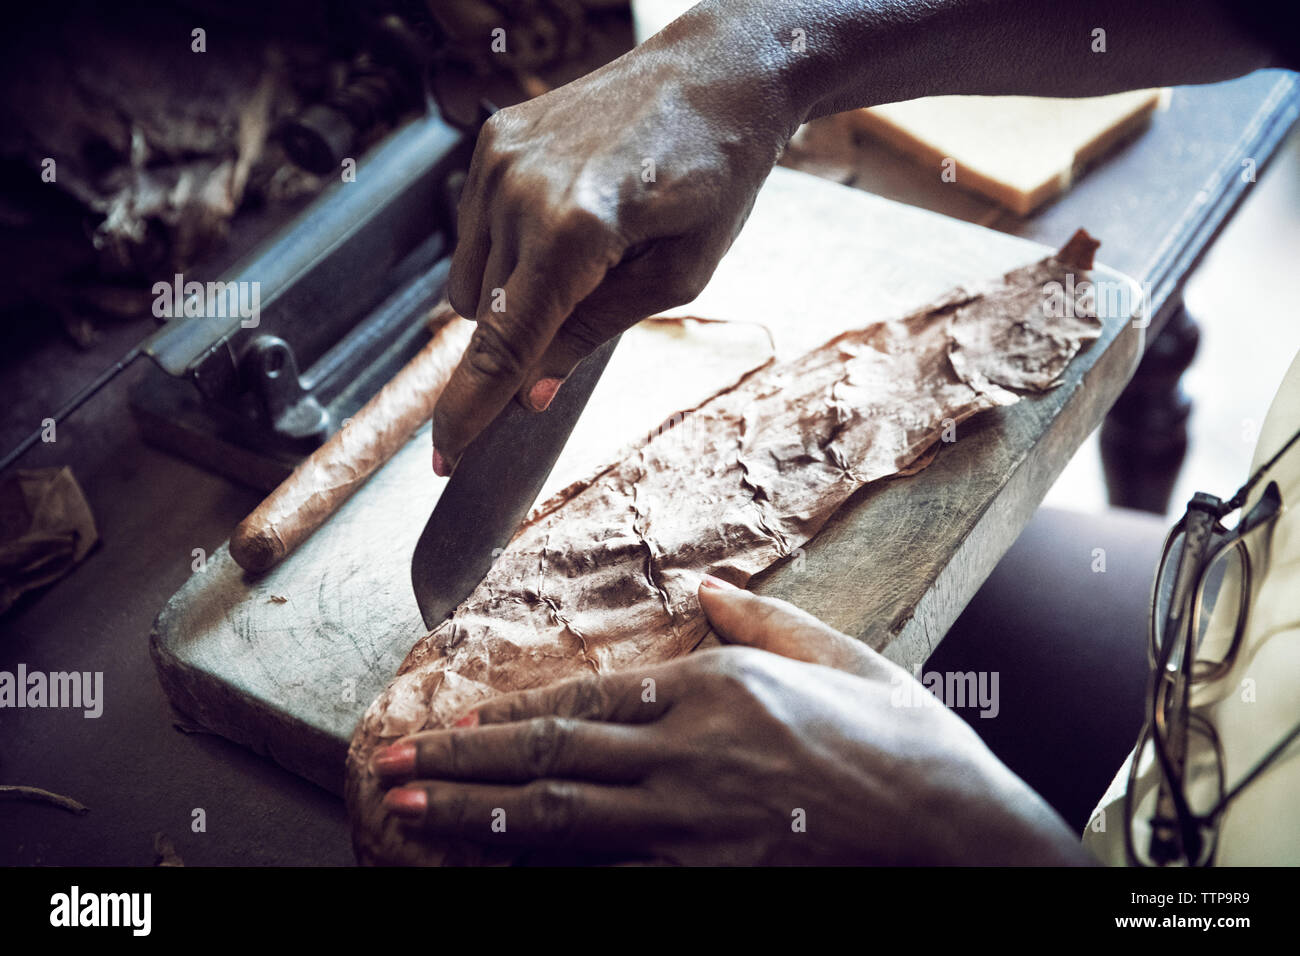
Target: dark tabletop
[[1156, 205]]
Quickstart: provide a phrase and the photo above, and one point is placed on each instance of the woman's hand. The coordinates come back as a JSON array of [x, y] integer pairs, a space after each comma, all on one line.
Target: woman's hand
[[738, 755], [600, 203]]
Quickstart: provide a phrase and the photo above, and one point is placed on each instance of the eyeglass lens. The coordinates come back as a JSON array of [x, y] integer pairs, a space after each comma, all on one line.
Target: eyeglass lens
[[1203, 784]]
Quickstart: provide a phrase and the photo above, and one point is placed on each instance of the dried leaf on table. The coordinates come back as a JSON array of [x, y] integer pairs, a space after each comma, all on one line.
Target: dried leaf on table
[[160, 141], [46, 527]]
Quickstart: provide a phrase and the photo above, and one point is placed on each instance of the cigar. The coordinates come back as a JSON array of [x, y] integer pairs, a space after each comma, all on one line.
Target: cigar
[[329, 476]]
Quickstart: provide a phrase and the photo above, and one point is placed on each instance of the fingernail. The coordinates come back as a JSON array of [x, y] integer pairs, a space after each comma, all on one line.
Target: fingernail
[[717, 584], [406, 802], [440, 465], [469, 720], [543, 392], [395, 761]]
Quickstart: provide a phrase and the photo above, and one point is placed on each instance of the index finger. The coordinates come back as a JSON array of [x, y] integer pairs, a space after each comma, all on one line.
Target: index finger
[[625, 697], [516, 323]]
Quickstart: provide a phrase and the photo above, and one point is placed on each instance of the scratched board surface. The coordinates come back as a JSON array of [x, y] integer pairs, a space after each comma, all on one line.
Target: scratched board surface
[[287, 662]]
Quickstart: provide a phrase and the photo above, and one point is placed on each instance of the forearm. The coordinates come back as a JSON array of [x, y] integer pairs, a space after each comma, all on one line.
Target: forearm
[[831, 55]]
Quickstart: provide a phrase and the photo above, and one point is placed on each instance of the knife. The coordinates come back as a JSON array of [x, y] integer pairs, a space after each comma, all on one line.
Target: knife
[[494, 485]]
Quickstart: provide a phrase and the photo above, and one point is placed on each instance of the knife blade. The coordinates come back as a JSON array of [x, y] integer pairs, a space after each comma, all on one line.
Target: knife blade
[[494, 485]]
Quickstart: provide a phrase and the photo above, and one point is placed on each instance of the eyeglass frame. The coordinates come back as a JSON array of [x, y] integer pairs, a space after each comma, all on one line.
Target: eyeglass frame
[[1174, 834]]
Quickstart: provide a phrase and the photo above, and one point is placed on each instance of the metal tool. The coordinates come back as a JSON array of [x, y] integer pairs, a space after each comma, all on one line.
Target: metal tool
[[489, 494], [344, 291]]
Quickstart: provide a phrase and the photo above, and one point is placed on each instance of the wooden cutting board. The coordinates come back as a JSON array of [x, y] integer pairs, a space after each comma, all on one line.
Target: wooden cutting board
[[287, 663]]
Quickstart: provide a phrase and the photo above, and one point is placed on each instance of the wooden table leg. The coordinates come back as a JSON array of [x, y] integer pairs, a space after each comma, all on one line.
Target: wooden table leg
[[1144, 438]]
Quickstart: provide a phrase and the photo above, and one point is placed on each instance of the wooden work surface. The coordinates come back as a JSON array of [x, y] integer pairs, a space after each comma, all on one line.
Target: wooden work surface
[[286, 663]]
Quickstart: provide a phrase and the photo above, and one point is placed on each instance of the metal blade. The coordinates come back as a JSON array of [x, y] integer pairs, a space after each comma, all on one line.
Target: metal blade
[[495, 483]]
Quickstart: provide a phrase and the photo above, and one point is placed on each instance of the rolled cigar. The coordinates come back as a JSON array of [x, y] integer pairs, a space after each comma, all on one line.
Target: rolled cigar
[[329, 476]]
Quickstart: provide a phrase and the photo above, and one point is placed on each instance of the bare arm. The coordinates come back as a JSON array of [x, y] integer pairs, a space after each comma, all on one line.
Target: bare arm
[[868, 52]]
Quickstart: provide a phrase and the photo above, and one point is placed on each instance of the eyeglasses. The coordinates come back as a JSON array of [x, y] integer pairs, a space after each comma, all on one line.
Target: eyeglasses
[[1199, 609]]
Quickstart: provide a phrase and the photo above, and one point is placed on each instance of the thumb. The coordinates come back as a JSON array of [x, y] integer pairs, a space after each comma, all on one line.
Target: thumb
[[741, 617]]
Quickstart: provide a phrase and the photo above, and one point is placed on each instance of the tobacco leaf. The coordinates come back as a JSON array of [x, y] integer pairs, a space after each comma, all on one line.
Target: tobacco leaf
[[46, 528]]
